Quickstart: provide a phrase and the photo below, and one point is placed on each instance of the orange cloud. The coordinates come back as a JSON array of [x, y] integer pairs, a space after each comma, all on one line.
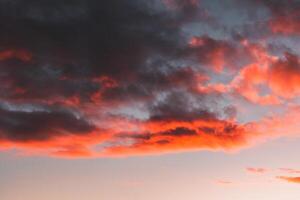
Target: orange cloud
[[72, 146], [284, 76], [279, 76], [252, 78], [290, 179], [247, 85], [176, 136], [121, 137], [151, 138]]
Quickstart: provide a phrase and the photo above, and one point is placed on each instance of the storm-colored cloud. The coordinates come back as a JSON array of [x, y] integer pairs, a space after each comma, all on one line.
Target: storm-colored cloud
[[119, 78], [40, 123]]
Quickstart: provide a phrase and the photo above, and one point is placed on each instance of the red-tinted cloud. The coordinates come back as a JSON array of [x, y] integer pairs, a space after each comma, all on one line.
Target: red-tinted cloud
[[256, 170], [214, 53], [153, 138], [284, 17], [288, 24], [284, 76], [278, 76], [176, 136], [19, 54]]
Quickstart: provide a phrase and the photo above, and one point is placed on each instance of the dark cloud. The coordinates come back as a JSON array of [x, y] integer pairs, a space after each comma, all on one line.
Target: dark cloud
[[207, 130], [153, 81], [179, 131], [106, 58], [38, 125], [93, 52], [278, 6], [30, 81], [144, 137], [182, 106], [283, 16], [188, 10], [141, 136], [73, 42], [118, 34], [227, 129]]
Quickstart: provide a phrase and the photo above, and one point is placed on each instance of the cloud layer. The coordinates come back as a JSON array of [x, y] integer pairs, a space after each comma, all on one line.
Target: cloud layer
[[118, 78]]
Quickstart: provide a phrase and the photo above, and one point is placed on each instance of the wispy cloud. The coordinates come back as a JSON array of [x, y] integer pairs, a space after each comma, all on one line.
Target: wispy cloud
[[223, 182], [290, 179], [256, 170], [290, 170]]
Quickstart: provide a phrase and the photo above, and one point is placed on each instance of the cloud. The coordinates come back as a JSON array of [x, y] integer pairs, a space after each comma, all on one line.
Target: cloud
[[266, 79], [284, 19], [79, 41], [256, 170], [19, 54], [224, 182], [95, 79], [215, 53], [41, 123], [284, 76], [283, 15], [289, 170], [177, 136], [290, 179]]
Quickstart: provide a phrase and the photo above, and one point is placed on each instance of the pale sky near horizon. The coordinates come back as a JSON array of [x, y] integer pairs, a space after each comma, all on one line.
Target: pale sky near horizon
[[198, 175]]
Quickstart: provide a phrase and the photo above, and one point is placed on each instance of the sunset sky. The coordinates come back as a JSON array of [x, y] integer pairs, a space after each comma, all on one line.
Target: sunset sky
[[150, 99]]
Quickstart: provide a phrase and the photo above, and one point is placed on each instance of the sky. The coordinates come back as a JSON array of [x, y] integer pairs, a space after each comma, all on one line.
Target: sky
[[149, 99]]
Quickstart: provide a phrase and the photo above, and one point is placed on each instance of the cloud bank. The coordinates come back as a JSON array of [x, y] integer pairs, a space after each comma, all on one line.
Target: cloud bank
[[120, 78]]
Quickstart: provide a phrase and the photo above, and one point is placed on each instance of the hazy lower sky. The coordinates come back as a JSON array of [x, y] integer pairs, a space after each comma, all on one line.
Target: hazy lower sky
[[149, 99]]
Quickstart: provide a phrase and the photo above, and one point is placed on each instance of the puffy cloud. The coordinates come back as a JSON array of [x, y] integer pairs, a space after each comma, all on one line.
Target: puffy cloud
[[66, 67], [218, 54], [284, 76]]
